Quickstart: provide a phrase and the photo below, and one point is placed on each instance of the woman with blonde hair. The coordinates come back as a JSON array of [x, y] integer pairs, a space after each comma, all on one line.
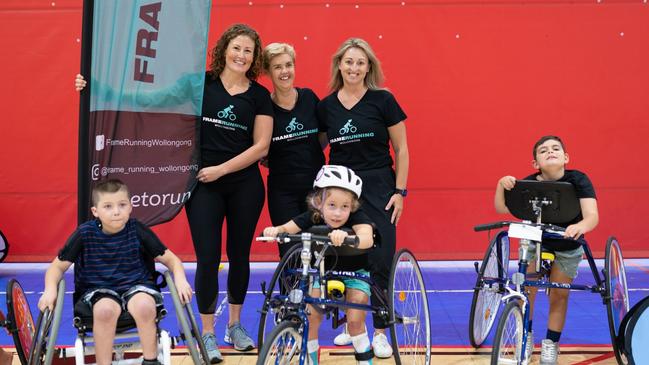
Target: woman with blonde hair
[[362, 120], [295, 154]]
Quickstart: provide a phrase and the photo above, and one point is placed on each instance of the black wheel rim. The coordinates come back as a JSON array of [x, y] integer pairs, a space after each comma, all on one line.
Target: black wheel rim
[[617, 295]]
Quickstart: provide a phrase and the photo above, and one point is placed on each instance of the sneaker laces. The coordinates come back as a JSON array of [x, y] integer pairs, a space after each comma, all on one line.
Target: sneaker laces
[[237, 331], [549, 351]]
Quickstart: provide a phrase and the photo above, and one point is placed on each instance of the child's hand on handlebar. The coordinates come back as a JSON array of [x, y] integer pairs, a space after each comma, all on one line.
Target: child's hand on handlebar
[[337, 237], [575, 231], [507, 182], [271, 231]]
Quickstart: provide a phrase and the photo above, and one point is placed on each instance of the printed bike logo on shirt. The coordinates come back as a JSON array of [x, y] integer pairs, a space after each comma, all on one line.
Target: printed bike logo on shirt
[[227, 113], [294, 125], [348, 134], [223, 116], [348, 128]]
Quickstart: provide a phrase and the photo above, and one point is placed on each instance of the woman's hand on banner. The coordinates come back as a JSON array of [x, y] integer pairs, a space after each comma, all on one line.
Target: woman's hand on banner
[[79, 82]]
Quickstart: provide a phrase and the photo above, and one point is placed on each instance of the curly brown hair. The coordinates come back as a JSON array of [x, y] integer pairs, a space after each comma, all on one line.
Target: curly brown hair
[[218, 52]]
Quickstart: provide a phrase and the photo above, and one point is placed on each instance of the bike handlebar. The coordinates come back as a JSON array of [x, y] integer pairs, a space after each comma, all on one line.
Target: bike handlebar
[[351, 241], [546, 227]]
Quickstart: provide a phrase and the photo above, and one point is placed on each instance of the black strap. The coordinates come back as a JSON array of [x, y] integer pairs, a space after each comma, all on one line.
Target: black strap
[[150, 362], [364, 356]]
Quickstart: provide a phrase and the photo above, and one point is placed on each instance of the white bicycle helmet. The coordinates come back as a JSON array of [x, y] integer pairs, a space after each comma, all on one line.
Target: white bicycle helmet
[[335, 176]]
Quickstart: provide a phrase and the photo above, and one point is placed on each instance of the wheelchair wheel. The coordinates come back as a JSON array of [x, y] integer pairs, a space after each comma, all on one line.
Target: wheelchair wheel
[[486, 297], [283, 345], [634, 333], [4, 247], [617, 295], [42, 323], [190, 332], [47, 329], [283, 280], [508, 344], [408, 304], [21, 322]]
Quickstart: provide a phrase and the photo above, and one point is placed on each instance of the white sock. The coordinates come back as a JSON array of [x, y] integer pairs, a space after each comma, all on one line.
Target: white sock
[[361, 344], [312, 348]]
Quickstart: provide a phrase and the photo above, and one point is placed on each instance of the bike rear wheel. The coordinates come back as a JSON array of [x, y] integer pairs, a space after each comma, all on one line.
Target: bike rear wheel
[[408, 303], [508, 343], [617, 294], [486, 296]]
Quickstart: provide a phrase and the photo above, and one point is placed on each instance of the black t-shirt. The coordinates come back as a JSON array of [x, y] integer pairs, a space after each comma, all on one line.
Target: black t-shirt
[[342, 263], [295, 147], [359, 137], [584, 189], [228, 120]]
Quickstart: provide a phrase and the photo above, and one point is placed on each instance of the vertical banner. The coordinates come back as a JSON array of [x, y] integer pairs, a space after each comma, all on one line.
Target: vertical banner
[[147, 71]]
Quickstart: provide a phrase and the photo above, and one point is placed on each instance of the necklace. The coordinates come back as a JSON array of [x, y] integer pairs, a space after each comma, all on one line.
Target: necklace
[[285, 101]]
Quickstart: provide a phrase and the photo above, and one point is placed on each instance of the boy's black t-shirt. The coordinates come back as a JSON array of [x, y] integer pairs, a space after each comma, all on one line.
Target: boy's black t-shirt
[[359, 137], [342, 263], [111, 261], [584, 189], [295, 147], [228, 121]]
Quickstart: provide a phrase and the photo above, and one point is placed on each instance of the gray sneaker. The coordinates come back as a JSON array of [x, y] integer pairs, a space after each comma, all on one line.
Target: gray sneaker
[[529, 346], [212, 349], [549, 352], [237, 336]]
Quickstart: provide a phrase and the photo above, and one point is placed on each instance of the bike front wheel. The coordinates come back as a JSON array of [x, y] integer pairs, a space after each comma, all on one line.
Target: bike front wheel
[[283, 345], [508, 344]]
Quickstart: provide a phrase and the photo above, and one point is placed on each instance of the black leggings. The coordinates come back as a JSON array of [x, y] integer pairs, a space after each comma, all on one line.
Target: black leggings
[[378, 188], [287, 199], [241, 201]]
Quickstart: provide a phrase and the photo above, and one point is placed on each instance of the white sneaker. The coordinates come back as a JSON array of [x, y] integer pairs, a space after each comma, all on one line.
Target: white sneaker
[[343, 339], [549, 352], [529, 346], [381, 346]]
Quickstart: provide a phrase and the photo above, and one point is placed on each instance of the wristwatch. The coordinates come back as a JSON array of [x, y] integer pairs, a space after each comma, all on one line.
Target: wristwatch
[[402, 192]]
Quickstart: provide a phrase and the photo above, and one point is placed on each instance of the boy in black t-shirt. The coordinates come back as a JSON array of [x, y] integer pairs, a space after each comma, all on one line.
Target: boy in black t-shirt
[[550, 159], [110, 271], [335, 203]]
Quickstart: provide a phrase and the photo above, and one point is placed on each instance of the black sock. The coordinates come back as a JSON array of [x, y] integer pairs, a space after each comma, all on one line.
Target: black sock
[[553, 335], [150, 362]]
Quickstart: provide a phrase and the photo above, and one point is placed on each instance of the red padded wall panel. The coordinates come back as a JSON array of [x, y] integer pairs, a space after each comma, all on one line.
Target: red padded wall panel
[[479, 80]]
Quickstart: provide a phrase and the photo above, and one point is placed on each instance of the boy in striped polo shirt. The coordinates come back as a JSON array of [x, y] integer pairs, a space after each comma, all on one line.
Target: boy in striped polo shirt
[[110, 272]]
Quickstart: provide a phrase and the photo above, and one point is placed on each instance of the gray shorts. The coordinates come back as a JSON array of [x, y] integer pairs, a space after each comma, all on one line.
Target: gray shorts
[[566, 261], [91, 297]]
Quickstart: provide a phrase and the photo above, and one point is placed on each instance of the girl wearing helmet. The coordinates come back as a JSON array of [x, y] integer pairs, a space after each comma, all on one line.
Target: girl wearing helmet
[[334, 202]]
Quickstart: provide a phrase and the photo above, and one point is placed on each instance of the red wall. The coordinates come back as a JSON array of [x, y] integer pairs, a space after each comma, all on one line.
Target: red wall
[[480, 81]]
